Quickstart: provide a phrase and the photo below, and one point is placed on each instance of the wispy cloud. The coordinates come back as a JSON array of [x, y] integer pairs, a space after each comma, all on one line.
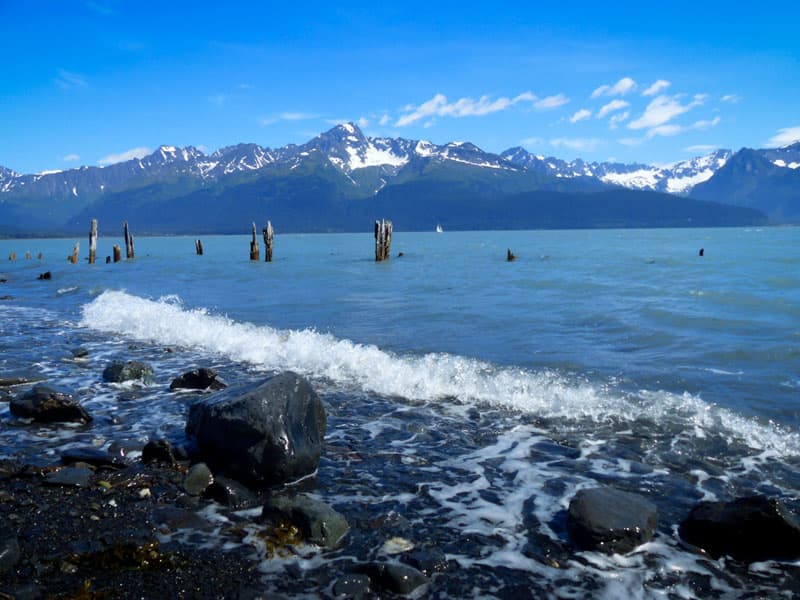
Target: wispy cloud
[[672, 129], [71, 158], [363, 122], [658, 86], [784, 137], [551, 102], [663, 109], [293, 116], [533, 142], [385, 119], [69, 80], [615, 120], [701, 148], [622, 87], [218, 99], [438, 106], [580, 115], [731, 98], [580, 144], [612, 106], [632, 141], [123, 156]]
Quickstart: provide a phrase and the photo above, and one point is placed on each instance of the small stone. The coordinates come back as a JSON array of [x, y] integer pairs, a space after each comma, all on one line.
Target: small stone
[[92, 456], [144, 493], [159, 450], [198, 479], [319, 523], [199, 379], [48, 405], [45, 275], [70, 476], [80, 352], [396, 577], [133, 370], [230, 493]]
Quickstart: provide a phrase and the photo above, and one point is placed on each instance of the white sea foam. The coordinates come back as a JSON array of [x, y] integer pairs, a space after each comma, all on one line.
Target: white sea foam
[[427, 377]]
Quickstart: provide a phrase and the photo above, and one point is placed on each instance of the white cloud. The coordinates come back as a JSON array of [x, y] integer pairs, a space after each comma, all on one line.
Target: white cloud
[[658, 86], [464, 107], [665, 130], [630, 142], [123, 156], [218, 99], [385, 120], [551, 102], [612, 106], [363, 122], [663, 109], [731, 98], [701, 148], [703, 125], [622, 87], [581, 144], [71, 158], [615, 120], [784, 137], [580, 115], [294, 116], [69, 80]]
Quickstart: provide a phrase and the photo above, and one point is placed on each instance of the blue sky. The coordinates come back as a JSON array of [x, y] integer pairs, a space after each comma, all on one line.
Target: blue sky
[[92, 82]]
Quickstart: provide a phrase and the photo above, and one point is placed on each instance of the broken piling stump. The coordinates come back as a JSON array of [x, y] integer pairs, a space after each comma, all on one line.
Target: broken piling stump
[[73, 258], [254, 253], [198, 247], [128, 241], [28, 255], [117, 253], [510, 256], [12, 256], [93, 241], [268, 236], [383, 240]]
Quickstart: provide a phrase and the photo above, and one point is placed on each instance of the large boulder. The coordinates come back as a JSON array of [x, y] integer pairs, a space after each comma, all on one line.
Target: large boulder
[[48, 405], [261, 435], [749, 529], [610, 520]]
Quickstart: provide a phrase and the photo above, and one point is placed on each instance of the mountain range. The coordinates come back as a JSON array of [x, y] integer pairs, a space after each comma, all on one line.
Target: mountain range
[[342, 180]]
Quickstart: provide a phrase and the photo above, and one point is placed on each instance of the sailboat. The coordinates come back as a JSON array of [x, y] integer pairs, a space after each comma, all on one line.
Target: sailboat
[[439, 229]]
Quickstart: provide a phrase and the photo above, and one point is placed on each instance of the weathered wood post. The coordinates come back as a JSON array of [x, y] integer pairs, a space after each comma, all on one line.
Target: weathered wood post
[[198, 247], [12, 256], [117, 253], [128, 241], [75, 251], [254, 252], [268, 236], [93, 241], [383, 239], [28, 255], [510, 256], [39, 256]]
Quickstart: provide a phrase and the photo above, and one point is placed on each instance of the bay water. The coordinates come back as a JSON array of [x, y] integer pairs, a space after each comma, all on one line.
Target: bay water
[[469, 398]]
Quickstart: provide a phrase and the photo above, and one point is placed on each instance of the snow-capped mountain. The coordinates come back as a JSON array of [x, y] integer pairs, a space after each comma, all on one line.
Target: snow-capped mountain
[[676, 178], [787, 156]]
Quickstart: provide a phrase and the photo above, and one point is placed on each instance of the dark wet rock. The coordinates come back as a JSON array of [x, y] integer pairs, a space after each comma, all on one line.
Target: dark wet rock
[[428, 560], [5, 395], [45, 275], [395, 577], [174, 518], [9, 552], [6, 297], [133, 370], [352, 585], [80, 352], [318, 522], [750, 529], [160, 451], [197, 479], [610, 520], [262, 435], [3, 280], [92, 456], [48, 405], [70, 476], [230, 493], [12, 380], [199, 379]]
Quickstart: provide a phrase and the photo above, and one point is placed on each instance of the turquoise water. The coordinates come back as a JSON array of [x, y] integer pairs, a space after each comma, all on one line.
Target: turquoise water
[[614, 356]]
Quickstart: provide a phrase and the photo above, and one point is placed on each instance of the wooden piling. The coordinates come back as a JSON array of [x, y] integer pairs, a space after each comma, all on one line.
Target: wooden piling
[[108, 259], [93, 241], [128, 241], [75, 251], [268, 237], [198, 247], [254, 252], [117, 253], [12, 256], [510, 256], [28, 255], [383, 240], [39, 256]]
